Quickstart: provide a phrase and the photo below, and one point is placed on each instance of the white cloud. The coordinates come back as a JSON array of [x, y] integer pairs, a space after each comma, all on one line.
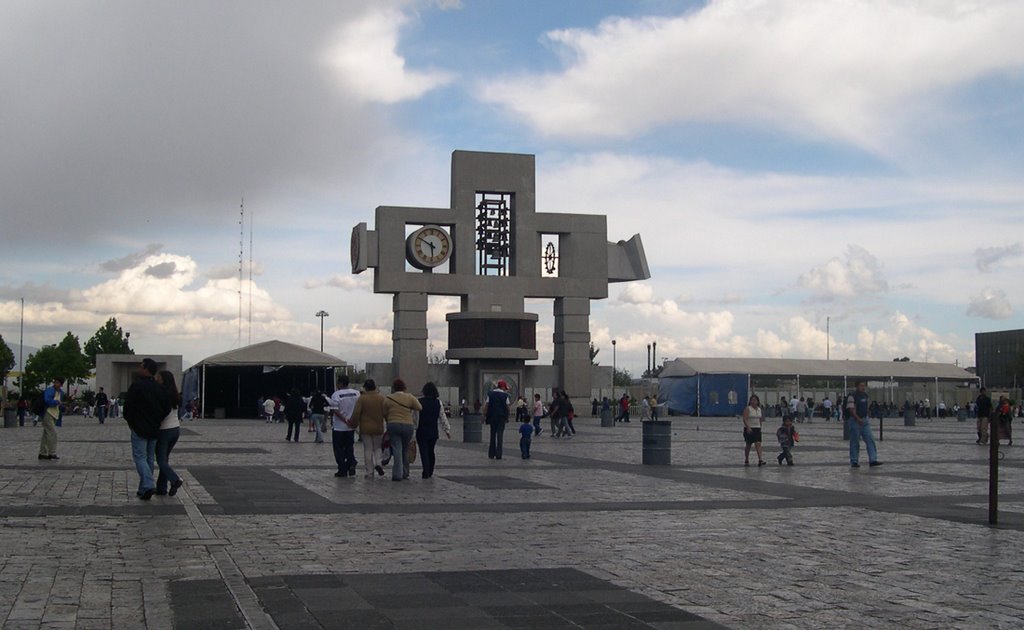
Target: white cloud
[[365, 61], [636, 293], [346, 282], [991, 304], [857, 274], [844, 70], [989, 257]]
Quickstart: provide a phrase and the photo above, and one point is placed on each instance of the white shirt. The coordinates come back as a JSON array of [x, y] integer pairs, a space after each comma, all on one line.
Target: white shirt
[[754, 417], [344, 402]]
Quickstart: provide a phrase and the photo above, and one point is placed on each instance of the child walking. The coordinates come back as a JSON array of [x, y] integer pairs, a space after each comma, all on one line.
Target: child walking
[[787, 436], [525, 431]]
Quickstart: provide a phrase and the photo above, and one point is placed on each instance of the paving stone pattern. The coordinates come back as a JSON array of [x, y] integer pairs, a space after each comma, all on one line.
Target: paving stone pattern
[[262, 535]]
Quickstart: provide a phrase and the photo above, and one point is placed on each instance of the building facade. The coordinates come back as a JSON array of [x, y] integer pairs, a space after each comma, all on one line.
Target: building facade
[[1000, 358]]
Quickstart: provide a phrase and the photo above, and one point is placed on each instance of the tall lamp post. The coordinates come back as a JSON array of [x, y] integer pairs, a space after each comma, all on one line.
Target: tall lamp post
[[322, 315], [613, 369]]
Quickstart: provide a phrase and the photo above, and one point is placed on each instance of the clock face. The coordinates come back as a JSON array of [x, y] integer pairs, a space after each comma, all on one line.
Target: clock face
[[428, 247]]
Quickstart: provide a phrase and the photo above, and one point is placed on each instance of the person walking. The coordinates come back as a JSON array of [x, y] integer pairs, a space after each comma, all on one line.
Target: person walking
[[22, 409], [146, 405], [753, 414], [318, 414], [623, 409], [525, 431], [432, 421], [368, 416], [102, 403], [496, 415], [857, 415], [343, 404], [984, 411], [294, 410], [170, 431], [53, 398], [787, 437], [398, 408], [569, 415], [268, 409], [538, 413]]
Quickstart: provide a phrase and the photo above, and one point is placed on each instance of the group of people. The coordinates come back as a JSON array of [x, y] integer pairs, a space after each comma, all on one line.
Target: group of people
[[151, 411], [855, 411], [998, 417], [388, 425]]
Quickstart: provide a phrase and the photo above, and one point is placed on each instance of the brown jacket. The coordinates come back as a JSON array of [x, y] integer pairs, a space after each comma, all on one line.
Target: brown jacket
[[368, 414], [398, 407]]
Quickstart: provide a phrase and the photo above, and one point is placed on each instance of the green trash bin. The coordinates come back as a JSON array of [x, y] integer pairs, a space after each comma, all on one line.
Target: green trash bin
[[472, 428], [657, 442]]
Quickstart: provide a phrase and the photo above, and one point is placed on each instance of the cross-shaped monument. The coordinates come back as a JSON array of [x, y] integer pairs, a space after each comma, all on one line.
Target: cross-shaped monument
[[493, 250]]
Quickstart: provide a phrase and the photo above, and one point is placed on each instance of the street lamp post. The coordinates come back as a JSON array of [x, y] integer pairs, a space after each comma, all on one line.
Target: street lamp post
[[322, 315], [613, 369]]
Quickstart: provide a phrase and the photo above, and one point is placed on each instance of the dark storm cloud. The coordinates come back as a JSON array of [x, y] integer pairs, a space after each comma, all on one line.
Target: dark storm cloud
[[131, 260], [162, 270], [117, 113]]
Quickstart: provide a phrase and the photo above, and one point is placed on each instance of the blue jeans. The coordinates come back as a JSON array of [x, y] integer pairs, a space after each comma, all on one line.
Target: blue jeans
[[317, 419], [143, 454], [860, 432], [164, 445], [400, 435]]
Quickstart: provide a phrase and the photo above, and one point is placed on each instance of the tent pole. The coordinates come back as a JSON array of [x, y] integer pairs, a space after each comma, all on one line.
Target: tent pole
[[202, 396]]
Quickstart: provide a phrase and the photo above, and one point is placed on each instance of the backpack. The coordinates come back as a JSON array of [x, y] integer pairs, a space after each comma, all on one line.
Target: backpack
[[38, 405]]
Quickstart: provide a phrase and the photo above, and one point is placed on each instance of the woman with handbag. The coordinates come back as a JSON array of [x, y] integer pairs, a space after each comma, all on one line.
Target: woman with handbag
[[427, 433], [398, 408]]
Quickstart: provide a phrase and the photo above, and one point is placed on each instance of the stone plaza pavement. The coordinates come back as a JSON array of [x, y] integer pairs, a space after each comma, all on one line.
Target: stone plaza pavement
[[582, 535]]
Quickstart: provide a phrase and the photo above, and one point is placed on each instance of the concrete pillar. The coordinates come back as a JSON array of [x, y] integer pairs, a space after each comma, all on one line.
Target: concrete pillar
[[409, 339], [572, 349]]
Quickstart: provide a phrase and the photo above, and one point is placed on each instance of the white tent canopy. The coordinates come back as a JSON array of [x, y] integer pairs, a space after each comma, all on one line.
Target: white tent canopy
[[274, 352]]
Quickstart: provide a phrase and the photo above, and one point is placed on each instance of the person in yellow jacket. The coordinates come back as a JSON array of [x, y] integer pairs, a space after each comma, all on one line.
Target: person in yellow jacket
[[398, 408]]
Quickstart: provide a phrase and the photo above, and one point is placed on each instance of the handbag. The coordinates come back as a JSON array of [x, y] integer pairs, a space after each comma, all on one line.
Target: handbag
[[412, 451]]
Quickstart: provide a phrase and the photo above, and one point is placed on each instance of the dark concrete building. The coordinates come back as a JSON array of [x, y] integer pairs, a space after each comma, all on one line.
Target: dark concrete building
[[1000, 358]]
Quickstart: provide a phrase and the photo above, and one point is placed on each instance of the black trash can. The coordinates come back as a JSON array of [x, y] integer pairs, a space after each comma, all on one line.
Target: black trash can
[[909, 418], [657, 442], [10, 417], [606, 418], [961, 415], [472, 428]]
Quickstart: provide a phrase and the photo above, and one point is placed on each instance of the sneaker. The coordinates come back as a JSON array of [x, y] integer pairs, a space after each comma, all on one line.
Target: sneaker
[[854, 465], [174, 487], [54, 456], [147, 495], [762, 463], [380, 470], [44, 457], [873, 464]]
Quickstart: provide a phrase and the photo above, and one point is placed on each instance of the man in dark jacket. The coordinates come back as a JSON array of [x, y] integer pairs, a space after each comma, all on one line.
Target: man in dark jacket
[[498, 403], [146, 405]]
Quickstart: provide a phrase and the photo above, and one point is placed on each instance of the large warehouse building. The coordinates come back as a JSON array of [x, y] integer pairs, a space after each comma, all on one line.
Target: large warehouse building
[[721, 387]]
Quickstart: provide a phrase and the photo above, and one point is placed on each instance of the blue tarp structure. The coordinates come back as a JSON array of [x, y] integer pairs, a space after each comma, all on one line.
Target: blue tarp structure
[[708, 394]]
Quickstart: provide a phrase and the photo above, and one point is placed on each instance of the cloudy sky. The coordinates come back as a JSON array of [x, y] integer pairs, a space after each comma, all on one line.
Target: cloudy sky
[[787, 164]]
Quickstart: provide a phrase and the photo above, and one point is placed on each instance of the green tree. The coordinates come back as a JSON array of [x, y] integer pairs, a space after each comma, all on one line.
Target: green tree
[[6, 363], [64, 359], [109, 339], [622, 378], [6, 359]]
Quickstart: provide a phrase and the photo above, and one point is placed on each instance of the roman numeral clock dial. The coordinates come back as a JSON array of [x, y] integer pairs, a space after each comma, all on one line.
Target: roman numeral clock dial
[[428, 247]]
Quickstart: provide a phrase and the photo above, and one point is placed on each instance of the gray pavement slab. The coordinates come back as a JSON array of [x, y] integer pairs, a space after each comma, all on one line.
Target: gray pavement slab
[[582, 535]]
